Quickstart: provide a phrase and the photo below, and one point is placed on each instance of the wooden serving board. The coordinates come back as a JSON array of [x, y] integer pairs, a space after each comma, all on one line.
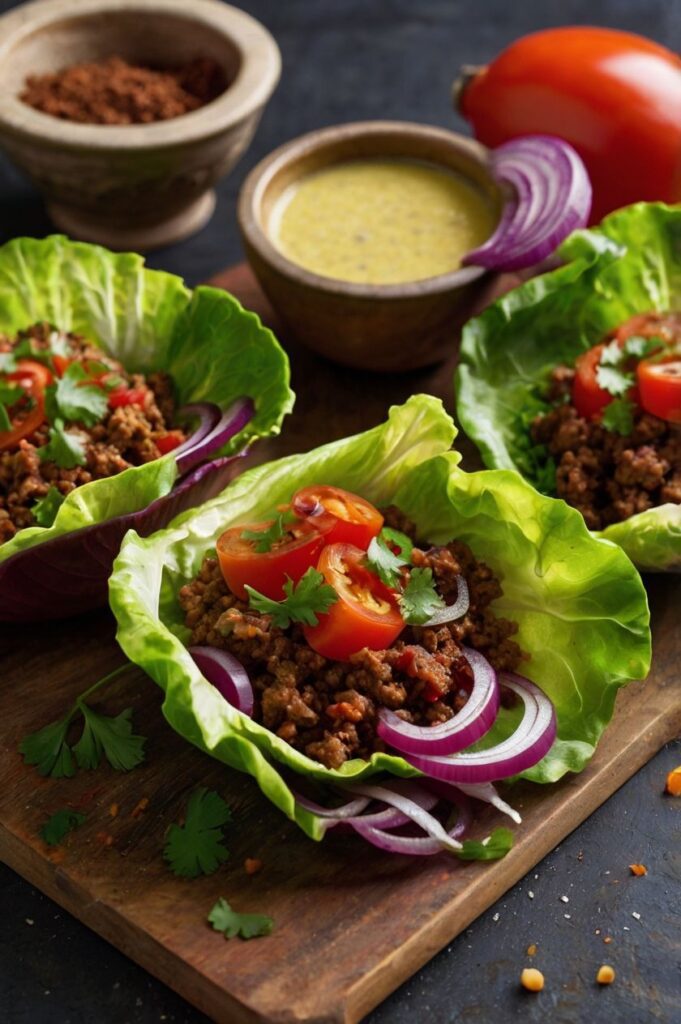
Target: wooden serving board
[[350, 923]]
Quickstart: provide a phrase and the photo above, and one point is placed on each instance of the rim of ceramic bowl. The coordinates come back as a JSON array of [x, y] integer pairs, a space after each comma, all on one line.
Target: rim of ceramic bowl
[[258, 181], [255, 81]]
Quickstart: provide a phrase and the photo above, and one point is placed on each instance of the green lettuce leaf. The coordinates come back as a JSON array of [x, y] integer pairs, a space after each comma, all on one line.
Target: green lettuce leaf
[[579, 602], [213, 349], [630, 264]]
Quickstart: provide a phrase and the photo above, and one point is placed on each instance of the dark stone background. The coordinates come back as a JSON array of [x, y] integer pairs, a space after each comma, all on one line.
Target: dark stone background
[[347, 60]]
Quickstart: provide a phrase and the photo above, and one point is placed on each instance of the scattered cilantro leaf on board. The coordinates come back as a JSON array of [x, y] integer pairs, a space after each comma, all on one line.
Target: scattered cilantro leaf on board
[[45, 510], [75, 400], [196, 848], [420, 600], [264, 540], [111, 736], [65, 449], [48, 750], [494, 847], [618, 416], [231, 923], [302, 602], [384, 562], [59, 825]]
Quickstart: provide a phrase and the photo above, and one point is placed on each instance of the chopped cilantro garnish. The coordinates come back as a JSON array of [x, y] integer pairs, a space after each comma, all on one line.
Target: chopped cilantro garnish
[[45, 510], [611, 372], [8, 362], [231, 924], [302, 602], [384, 563], [420, 600], [196, 847], [48, 748], [74, 400], [613, 380], [10, 393], [618, 416], [265, 539], [65, 449], [639, 347], [59, 825], [494, 847], [397, 539]]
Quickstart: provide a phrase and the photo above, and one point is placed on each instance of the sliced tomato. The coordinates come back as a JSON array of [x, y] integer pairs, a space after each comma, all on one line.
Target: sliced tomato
[[126, 396], [61, 364], [31, 375], [588, 398], [267, 571], [343, 517], [659, 385], [366, 614], [170, 441], [24, 424]]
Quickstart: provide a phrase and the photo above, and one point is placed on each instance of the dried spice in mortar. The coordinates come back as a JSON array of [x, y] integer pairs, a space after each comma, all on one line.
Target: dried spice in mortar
[[112, 91]]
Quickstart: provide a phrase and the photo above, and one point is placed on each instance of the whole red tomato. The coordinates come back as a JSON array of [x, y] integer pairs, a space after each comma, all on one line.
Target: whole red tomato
[[614, 96]]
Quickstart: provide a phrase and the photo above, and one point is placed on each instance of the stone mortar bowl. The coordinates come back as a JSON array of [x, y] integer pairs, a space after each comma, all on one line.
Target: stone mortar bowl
[[134, 186], [386, 327]]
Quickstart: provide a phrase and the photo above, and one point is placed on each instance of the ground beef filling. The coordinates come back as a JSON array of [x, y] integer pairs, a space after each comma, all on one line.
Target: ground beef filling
[[605, 476], [126, 437], [328, 709]]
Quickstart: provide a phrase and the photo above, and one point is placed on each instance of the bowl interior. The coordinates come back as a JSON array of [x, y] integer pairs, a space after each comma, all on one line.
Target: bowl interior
[[151, 37]]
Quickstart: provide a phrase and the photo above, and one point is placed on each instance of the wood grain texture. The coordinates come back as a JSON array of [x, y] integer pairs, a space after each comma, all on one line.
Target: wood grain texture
[[350, 922]]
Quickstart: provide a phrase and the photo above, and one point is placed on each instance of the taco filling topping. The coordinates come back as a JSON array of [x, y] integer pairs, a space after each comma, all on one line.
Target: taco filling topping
[[614, 428], [70, 414], [353, 639]]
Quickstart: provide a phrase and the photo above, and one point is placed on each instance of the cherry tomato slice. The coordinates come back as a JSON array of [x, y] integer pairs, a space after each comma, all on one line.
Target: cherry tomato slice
[[587, 397], [343, 517], [659, 385], [31, 374], [267, 571], [170, 441], [24, 425], [366, 614], [126, 396], [61, 364]]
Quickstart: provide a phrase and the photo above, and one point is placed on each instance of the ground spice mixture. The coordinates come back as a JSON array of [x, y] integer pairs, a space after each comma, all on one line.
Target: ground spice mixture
[[112, 91]]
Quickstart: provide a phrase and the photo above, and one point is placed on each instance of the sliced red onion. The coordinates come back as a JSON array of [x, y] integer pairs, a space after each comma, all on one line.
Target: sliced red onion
[[349, 810], [370, 830], [411, 809], [483, 791], [230, 423], [524, 748], [452, 611], [227, 675], [552, 198], [208, 415], [475, 718]]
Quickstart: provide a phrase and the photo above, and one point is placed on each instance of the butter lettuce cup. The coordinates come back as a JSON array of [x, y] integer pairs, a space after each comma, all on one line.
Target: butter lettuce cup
[[578, 603], [574, 380], [125, 398]]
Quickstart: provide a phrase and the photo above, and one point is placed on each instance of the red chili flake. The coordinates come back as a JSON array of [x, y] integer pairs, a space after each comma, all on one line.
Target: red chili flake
[[344, 711], [252, 865], [140, 807], [113, 810]]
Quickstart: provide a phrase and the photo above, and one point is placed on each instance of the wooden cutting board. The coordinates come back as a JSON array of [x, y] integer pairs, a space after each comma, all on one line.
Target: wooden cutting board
[[351, 923]]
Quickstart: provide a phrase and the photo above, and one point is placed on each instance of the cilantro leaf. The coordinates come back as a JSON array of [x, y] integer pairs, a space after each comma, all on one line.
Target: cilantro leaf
[[10, 393], [231, 923], [638, 347], [48, 750], [618, 416], [420, 600], [397, 539], [59, 825], [8, 362], [384, 563], [303, 601], [65, 449], [112, 737], [612, 355], [45, 510], [196, 847], [494, 847], [613, 380], [75, 401], [264, 540]]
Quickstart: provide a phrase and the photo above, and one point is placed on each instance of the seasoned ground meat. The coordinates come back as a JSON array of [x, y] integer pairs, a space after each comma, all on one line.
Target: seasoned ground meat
[[126, 436], [605, 476], [327, 708]]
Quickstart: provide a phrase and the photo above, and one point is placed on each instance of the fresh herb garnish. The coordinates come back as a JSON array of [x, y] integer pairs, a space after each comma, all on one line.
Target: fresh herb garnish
[[74, 400], [264, 540], [231, 924], [303, 601], [611, 372], [45, 510], [196, 848], [8, 362], [66, 449], [48, 748], [59, 825], [5, 421], [618, 416], [638, 347], [613, 380], [420, 600], [494, 847], [385, 563], [10, 393], [397, 539]]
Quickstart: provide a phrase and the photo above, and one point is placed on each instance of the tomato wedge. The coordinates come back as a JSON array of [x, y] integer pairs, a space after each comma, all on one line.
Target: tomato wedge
[[266, 571], [31, 375], [126, 396], [366, 614], [343, 517], [29, 412], [659, 385], [588, 398], [170, 441]]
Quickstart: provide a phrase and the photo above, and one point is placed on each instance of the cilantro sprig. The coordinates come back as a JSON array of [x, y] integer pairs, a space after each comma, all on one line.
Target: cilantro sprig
[[613, 376], [63, 447], [50, 752], [45, 510], [302, 601], [420, 600], [57, 827], [231, 923], [494, 847], [383, 561], [9, 395], [74, 400], [196, 847], [265, 539]]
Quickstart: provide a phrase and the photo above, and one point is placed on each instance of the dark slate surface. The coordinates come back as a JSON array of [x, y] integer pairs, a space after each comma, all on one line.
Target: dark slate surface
[[347, 60]]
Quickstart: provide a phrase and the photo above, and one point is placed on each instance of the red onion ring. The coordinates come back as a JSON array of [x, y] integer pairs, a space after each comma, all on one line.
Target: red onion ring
[[417, 846], [475, 718], [413, 810], [552, 198], [334, 814], [227, 675], [452, 611], [208, 415], [483, 791], [524, 748], [230, 423]]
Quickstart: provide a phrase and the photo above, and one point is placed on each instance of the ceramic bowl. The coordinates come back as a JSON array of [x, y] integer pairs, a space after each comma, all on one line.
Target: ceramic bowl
[[143, 185], [374, 327]]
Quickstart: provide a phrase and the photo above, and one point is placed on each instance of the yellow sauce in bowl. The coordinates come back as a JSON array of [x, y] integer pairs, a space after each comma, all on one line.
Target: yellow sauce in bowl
[[381, 221]]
